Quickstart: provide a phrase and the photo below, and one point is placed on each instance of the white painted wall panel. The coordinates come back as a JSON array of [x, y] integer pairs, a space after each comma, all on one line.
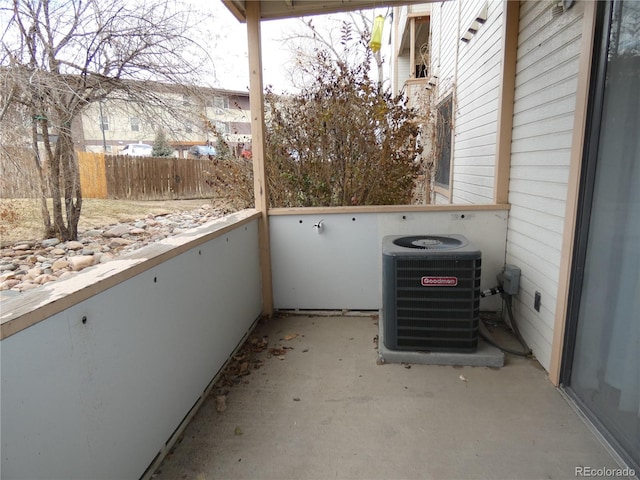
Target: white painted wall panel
[[341, 267], [99, 400], [548, 50]]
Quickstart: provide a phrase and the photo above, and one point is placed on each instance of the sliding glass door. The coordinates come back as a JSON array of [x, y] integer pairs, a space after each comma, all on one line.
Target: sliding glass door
[[601, 368]]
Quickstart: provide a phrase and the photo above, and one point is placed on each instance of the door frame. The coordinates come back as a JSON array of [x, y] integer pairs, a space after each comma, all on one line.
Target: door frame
[[586, 184], [579, 136], [603, 14]]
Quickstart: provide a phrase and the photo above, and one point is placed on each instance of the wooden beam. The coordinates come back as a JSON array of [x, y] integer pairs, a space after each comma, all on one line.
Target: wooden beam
[[235, 10], [256, 101], [379, 209], [573, 188], [412, 47], [396, 41], [510, 29]]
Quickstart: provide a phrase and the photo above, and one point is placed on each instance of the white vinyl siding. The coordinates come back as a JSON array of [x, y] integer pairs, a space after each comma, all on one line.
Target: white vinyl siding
[[475, 95], [444, 38], [444, 42], [479, 67], [545, 95], [404, 69]]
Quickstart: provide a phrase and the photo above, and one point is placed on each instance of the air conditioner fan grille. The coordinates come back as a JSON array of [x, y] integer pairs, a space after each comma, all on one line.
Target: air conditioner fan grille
[[429, 242]]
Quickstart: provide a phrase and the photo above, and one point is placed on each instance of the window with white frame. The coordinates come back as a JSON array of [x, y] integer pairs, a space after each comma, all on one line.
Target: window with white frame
[[103, 121], [220, 101], [134, 122], [222, 127], [443, 141]]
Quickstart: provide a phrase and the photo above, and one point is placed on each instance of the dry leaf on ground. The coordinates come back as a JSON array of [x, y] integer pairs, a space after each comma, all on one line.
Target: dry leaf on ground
[[221, 403]]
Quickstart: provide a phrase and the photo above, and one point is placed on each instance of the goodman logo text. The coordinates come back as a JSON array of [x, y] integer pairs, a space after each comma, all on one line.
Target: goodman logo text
[[439, 281]]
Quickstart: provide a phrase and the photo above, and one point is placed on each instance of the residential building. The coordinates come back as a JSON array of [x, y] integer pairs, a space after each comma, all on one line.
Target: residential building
[[410, 64], [181, 113]]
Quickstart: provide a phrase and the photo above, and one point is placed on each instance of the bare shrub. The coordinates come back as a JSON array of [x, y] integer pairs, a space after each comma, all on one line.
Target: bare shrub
[[8, 216], [342, 141], [230, 177]]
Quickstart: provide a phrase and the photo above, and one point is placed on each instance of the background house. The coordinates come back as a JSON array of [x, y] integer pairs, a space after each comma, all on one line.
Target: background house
[[410, 64], [110, 125]]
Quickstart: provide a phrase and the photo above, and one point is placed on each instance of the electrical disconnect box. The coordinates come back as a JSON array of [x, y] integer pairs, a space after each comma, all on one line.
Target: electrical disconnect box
[[509, 278]]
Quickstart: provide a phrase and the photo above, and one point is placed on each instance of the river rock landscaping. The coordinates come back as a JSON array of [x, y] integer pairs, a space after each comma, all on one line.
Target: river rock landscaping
[[26, 265]]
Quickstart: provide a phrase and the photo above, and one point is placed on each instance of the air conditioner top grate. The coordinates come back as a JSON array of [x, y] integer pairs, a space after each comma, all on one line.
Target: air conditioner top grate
[[429, 242]]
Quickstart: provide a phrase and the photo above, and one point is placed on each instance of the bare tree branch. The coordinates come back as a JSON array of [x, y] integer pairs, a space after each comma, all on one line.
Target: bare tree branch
[[61, 56]]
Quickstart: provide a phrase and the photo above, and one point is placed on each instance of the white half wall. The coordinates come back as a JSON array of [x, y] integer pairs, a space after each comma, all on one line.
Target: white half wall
[[341, 267], [98, 399]]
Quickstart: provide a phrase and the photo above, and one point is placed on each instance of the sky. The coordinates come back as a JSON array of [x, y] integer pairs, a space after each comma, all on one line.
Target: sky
[[229, 50], [227, 44], [225, 40]]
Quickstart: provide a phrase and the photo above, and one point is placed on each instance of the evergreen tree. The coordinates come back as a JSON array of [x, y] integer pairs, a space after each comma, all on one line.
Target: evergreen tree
[[161, 146]]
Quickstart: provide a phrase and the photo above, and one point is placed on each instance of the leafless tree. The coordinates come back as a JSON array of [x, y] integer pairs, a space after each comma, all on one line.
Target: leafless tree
[[345, 39], [60, 56]]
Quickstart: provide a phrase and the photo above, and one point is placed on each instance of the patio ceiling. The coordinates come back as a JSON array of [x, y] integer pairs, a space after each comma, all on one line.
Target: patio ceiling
[[279, 9]]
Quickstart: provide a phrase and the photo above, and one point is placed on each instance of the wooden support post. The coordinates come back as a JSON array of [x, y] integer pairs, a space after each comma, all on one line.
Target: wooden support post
[[412, 47], [256, 98], [510, 31]]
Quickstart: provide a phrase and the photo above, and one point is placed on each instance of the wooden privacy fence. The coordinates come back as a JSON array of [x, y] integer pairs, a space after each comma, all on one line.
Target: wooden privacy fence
[[93, 175], [18, 174], [117, 177], [155, 178]]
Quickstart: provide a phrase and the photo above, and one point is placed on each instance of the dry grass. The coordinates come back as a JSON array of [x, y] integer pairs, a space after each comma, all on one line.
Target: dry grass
[[20, 219]]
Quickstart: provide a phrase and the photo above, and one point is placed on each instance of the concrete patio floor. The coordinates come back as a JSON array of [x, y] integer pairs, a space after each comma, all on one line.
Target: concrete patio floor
[[325, 409]]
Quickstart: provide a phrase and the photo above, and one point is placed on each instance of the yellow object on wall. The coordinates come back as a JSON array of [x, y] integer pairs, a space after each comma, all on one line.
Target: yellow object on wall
[[376, 33]]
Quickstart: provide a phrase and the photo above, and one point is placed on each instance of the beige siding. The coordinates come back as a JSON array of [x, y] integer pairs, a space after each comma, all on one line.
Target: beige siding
[[545, 95], [479, 63]]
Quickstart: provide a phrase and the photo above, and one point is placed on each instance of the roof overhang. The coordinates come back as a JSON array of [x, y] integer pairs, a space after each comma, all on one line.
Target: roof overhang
[[279, 9]]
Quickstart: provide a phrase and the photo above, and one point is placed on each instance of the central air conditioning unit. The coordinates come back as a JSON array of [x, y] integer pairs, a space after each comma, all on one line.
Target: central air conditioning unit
[[431, 293]]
